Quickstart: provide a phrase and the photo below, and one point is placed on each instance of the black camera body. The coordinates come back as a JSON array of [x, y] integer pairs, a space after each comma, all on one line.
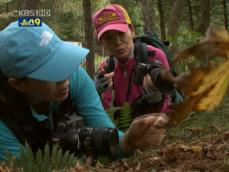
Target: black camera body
[[154, 70], [72, 134]]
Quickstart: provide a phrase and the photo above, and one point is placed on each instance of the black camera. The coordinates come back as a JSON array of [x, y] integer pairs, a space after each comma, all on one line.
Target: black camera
[[154, 70], [71, 134]]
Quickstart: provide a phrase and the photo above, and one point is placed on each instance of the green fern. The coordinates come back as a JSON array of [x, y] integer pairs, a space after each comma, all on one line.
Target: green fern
[[47, 152], [126, 116], [65, 157], [59, 158], [46, 161], [111, 113], [39, 160]]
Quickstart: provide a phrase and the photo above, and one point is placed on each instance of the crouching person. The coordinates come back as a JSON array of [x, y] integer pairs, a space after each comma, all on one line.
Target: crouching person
[[45, 96]]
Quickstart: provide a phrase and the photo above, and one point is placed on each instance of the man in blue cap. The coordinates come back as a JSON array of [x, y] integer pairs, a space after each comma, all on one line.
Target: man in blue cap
[[38, 72]]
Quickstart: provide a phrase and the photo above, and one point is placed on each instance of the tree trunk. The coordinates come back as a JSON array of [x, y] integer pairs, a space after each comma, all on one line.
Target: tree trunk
[[28, 4], [89, 37], [7, 8], [190, 14], [174, 20], [148, 15], [225, 14], [205, 17], [162, 23]]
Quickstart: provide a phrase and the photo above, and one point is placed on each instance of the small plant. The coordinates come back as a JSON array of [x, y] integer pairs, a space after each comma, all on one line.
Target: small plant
[[125, 116], [46, 161]]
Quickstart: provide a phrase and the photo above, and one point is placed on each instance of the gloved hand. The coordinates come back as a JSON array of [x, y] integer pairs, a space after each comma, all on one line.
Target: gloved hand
[[152, 96], [103, 82], [150, 93], [145, 132]]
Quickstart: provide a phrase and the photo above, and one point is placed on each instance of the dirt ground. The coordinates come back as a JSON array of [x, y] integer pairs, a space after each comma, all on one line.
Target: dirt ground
[[204, 155]]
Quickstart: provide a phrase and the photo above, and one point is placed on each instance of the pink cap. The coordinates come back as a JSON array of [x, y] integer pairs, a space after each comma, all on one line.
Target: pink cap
[[112, 17]]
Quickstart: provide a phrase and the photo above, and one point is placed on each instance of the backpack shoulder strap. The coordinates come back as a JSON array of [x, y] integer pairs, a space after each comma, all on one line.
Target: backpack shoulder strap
[[140, 51]]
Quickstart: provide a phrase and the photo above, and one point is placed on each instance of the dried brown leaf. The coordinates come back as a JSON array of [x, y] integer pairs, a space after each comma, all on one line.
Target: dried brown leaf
[[205, 84]]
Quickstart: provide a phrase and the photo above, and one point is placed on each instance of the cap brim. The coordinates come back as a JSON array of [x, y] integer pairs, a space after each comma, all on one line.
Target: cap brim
[[62, 64], [116, 26]]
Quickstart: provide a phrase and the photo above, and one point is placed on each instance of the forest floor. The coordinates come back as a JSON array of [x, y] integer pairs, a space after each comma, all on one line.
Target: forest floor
[[205, 154], [199, 144]]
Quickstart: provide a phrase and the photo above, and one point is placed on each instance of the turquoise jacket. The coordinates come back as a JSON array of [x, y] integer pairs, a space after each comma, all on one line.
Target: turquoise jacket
[[86, 100]]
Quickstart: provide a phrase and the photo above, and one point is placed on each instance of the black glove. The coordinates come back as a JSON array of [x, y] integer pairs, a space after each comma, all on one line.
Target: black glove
[[152, 95], [149, 98], [101, 83]]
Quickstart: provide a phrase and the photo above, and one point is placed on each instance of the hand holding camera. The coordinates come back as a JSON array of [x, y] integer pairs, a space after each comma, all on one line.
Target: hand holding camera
[[154, 71], [103, 81], [150, 94]]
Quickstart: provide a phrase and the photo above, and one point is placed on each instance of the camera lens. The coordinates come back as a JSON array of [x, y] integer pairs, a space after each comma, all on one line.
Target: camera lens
[[113, 140], [104, 141], [72, 135], [163, 85]]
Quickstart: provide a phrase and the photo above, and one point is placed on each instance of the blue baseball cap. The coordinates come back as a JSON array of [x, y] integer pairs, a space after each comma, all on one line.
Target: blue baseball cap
[[37, 52]]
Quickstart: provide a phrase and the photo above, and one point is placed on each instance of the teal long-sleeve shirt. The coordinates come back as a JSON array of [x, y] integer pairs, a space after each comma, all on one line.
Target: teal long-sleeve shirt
[[86, 101]]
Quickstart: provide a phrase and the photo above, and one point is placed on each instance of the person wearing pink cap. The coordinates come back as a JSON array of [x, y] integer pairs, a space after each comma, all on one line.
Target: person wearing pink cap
[[116, 34]]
